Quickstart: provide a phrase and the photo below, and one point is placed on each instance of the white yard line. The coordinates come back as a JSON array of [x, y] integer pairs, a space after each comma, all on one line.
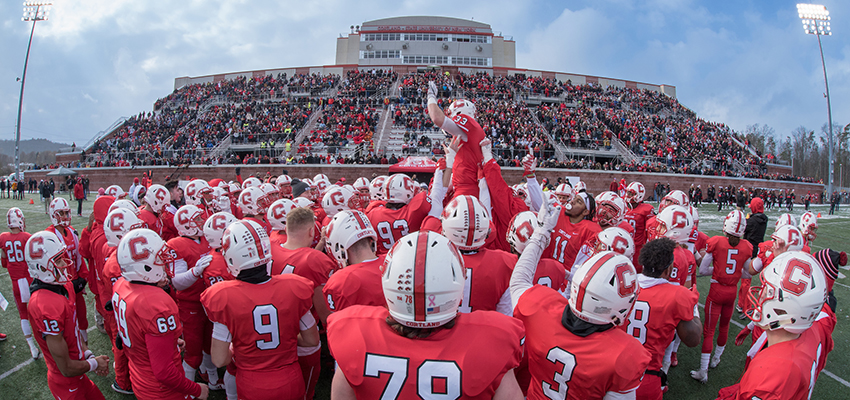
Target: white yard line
[[829, 374]]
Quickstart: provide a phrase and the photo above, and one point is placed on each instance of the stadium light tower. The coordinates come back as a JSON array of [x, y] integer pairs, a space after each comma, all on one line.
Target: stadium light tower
[[815, 19], [33, 11]]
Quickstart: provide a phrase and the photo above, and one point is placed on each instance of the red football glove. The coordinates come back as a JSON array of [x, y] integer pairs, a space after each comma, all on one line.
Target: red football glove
[[742, 335]]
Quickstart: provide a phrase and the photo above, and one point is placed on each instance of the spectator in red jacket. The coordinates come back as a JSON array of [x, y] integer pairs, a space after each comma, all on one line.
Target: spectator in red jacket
[[79, 194]]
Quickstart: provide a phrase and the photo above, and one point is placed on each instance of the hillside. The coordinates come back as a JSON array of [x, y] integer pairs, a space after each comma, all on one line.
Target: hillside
[[7, 147]]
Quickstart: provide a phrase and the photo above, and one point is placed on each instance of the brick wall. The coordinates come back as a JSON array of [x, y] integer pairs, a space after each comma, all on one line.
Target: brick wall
[[596, 181]]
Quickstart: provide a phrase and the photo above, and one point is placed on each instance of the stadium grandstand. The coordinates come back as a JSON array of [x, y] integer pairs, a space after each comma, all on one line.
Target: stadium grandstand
[[369, 107]]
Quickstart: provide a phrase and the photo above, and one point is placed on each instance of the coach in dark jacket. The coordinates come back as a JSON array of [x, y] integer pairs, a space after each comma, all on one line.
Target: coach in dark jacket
[[756, 224]]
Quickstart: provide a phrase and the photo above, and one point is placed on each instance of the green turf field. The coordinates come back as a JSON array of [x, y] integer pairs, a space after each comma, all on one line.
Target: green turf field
[[23, 378]]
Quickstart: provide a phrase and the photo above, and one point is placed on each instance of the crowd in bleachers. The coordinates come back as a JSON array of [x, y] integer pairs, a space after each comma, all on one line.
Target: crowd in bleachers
[[366, 83]]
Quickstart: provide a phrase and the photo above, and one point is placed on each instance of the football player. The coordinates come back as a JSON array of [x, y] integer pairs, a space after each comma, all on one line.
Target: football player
[[573, 352], [262, 343], [53, 316], [284, 185], [677, 198], [150, 323], [503, 204], [403, 213], [169, 231], [613, 238], [12, 246], [338, 199], [809, 227], [420, 337], [60, 218], [725, 259], [200, 194], [662, 309], [353, 242], [637, 214], [156, 200], [252, 202], [574, 228], [549, 272], [276, 215]]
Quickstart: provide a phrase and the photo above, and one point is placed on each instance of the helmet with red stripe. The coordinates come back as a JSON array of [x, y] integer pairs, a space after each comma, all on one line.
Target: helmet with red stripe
[[694, 215], [423, 278], [522, 192], [115, 191], [604, 289], [676, 197], [610, 209], [617, 240], [580, 186], [276, 214], [565, 193], [125, 204], [361, 185], [270, 195], [345, 229], [522, 226], [809, 225], [251, 182], [322, 182], [399, 188], [312, 191], [284, 184], [792, 294], [461, 106], [340, 199], [143, 255], [118, 222], [47, 258], [189, 221], [158, 198], [788, 235], [15, 219], [60, 212], [249, 201], [376, 187], [676, 223], [303, 202], [221, 200], [466, 222], [245, 245], [785, 219], [215, 226], [735, 223], [198, 192], [635, 192]]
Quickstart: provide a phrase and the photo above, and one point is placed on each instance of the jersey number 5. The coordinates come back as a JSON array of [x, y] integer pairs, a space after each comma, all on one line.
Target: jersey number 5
[[427, 374]]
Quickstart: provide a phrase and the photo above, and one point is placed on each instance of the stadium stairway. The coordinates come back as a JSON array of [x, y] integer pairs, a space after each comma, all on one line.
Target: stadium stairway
[[385, 131], [307, 128]]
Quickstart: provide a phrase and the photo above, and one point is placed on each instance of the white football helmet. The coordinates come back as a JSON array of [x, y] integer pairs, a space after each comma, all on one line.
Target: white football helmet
[[215, 226], [340, 199], [15, 219], [788, 235], [792, 294], [676, 223], [735, 223], [376, 187], [284, 185], [125, 204], [694, 215], [143, 256], [235, 188], [423, 260], [276, 215], [189, 221], [60, 212], [47, 258], [322, 183], [249, 201], [399, 188], [565, 193], [610, 209], [617, 240], [461, 106], [785, 219], [466, 222], [271, 191], [198, 192], [303, 202], [345, 229], [635, 193], [115, 191], [604, 289], [158, 198], [251, 182], [580, 186], [245, 245], [221, 200], [522, 227], [118, 222], [809, 226], [362, 185], [676, 197], [522, 192]]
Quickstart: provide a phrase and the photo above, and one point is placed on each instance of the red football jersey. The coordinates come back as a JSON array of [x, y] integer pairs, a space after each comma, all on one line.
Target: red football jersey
[[488, 276], [699, 241], [467, 361], [106, 282], [651, 228], [111, 273], [358, 284], [728, 260], [13, 254], [319, 212], [151, 220], [307, 262], [217, 270], [637, 217], [166, 218], [277, 238], [51, 313], [786, 370], [71, 240], [265, 339], [141, 310], [567, 239], [189, 251], [550, 273], [684, 267], [659, 308], [469, 157], [566, 366], [391, 225]]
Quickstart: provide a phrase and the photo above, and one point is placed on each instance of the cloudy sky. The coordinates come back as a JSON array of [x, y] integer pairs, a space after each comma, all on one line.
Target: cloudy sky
[[739, 62]]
